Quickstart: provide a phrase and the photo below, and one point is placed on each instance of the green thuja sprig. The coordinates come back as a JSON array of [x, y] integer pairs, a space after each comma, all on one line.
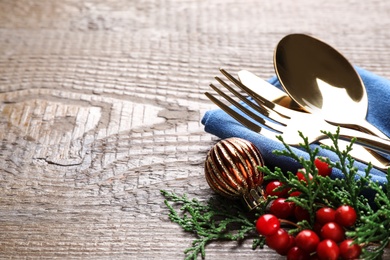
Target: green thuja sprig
[[349, 189], [318, 190], [374, 229], [216, 219]]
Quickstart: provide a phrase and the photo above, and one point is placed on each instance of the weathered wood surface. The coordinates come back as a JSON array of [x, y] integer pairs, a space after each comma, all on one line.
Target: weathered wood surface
[[101, 104]]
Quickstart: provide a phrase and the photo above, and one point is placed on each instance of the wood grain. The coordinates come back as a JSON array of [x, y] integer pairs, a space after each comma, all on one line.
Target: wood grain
[[101, 104]]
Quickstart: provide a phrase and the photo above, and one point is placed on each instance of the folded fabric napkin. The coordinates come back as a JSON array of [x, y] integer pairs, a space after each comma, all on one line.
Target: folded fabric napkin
[[218, 123]]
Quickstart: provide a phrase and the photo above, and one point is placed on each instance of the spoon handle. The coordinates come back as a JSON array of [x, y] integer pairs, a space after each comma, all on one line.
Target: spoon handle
[[370, 141], [367, 127], [362, 154]]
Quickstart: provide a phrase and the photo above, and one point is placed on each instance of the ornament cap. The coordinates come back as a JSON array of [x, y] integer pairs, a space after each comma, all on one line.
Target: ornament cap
[[254, 198]]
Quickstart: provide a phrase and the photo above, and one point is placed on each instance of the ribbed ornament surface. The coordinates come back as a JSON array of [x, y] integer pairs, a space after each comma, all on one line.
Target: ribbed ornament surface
[[231, 168]]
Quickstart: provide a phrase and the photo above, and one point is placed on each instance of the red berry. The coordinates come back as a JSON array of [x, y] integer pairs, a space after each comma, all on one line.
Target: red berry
[[349, 250], [296, 253], [267, 224], [328, 249], [281, 208], [295, 194], [301, 213], [291, 243], [278, 241], [270, 189], [323, 167], [346, 215], [333, 231], [307, 240], [325, 215], [301, 175]]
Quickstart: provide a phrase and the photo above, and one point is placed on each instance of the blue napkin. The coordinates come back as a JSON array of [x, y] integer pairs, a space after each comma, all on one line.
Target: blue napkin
[[218, 123]]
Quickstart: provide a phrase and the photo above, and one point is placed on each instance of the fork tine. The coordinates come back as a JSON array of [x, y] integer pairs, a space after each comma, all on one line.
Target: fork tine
[[251, 114], [246, 122], [262, 109], [269, 105], [241, 119]]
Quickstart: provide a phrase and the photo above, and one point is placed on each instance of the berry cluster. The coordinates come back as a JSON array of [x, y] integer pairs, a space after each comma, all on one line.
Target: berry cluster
[[327, 238], [326, 241]]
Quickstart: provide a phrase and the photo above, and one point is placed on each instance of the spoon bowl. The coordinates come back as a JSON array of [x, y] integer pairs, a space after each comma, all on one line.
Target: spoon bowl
[[322, 81]]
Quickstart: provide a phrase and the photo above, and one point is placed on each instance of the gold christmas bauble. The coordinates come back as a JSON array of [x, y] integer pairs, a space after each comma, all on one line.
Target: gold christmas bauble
[[231, 170]]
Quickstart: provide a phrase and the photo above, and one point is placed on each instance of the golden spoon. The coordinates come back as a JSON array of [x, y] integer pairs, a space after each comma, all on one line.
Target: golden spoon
[[322, 81]]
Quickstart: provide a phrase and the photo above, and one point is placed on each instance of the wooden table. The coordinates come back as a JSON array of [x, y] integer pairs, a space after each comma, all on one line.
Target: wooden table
[[101, 104]]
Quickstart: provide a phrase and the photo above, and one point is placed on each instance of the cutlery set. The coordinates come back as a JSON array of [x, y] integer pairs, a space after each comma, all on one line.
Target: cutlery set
[[323, 92]]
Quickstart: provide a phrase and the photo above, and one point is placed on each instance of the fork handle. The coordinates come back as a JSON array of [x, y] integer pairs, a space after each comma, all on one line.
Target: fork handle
[[370, 141]]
